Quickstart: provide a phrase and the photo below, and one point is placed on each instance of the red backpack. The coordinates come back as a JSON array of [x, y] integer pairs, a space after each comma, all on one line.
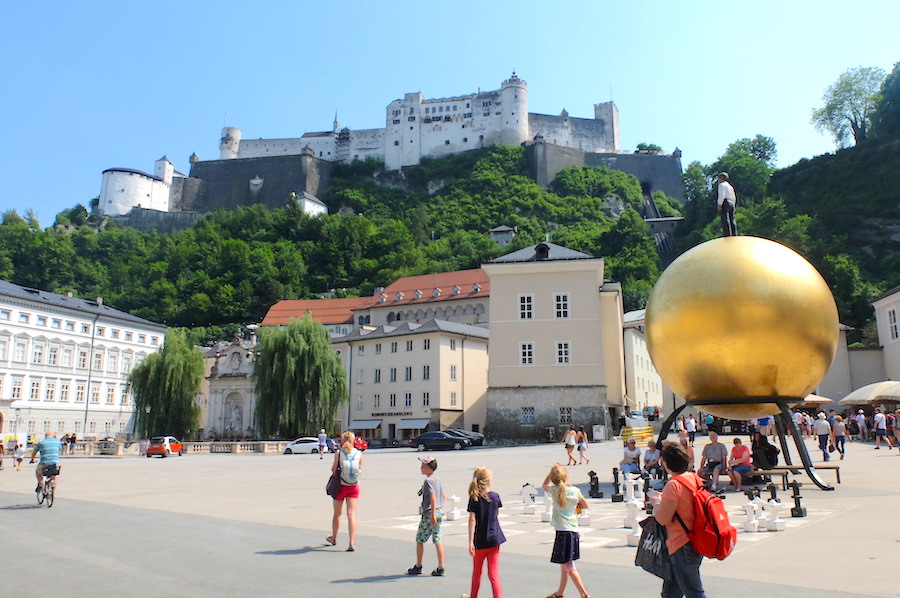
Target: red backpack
[[713, 535]]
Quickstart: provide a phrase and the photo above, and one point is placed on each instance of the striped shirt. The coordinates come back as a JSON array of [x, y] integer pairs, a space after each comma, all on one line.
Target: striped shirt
[[49, 449]]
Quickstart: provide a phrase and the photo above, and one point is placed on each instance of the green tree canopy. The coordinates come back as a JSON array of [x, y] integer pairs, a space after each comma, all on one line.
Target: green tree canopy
[[300, 381], [886, 116], [165, 385], [849, 103]]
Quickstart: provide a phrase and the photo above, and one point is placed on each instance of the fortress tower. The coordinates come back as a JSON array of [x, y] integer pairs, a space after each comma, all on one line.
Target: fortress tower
[[513, 111], [230, 143]]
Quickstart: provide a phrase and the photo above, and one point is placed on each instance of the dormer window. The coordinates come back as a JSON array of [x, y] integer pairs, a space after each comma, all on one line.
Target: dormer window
[[399, 296], [436, 292], [476, 288], [418, 294], [382, 298], [456, 290]]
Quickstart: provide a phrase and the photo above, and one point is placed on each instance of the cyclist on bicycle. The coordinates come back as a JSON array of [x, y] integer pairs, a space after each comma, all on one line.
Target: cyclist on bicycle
[[49, 450]]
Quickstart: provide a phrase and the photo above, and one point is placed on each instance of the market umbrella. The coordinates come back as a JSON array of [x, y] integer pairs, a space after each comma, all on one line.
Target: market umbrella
[[815, 401], [871, 394]]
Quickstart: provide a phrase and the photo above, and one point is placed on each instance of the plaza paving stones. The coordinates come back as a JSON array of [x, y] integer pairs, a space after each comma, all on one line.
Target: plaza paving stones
[[248, 525]]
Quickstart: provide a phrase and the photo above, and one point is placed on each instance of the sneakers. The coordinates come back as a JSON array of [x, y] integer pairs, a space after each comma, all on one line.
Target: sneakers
[[439, 572], [414, 570], [38, 489]]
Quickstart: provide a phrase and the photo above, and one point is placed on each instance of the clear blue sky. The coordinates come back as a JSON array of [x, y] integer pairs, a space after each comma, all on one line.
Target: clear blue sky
[[92, 85]]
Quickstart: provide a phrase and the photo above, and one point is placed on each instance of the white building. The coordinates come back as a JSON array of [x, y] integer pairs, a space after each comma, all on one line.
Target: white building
[[887, 318], [64, 363], [643, 384], [126, 188]]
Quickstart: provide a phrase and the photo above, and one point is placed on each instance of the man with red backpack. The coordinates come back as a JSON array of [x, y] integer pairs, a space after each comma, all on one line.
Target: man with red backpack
[[695, 521]]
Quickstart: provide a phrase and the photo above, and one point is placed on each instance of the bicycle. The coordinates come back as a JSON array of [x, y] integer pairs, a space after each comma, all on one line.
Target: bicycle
[[46, 489]]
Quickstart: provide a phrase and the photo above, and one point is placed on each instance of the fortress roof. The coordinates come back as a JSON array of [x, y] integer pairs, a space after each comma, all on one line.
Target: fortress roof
[[133, 171]]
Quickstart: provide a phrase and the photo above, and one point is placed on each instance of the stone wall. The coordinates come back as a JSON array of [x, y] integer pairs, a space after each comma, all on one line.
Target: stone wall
[[504, 411], [656, 172], [149, 220]]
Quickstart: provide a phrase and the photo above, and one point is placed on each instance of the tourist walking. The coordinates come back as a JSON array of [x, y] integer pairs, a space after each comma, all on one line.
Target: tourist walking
[[674, 508], [690, 426], [432, 494], [19, 452], [823, 432], [879, 426], [350, 462], [840, 432], [680, 427], [569, 441], [581, 441], [863, 427], [567, 500], [323, 442], [485, 535]]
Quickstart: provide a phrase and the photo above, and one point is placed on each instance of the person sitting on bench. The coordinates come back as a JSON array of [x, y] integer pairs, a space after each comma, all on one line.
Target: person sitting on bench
[[739, 464], [712, 461]]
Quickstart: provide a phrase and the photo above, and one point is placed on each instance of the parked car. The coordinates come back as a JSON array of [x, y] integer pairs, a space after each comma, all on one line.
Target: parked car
[[438, 440], [359, 444], [164, 446], [475, 438], [303, 445]]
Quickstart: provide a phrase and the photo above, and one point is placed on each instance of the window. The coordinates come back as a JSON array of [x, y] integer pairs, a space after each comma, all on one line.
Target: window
[[95, 395], [426, 372], [359, 376], [24, 318], [409, 345], [79, 392], [41, 321], [393, 374], [114, 333], [82, 359], [453, 399], [407, 373], [376, 401], [526, 308], [359, 401], [52, 355], [92, 427], [565, 415], [13, 426], [20, 352], [426, 344], [393, 347], [892, 324], [4, 314], [392, 400], [70, 326], [154, 340], [2, 350], [360, 350], [126, 364], [562, 352], [377, 376], [129, 336], [78, 427], [377, 348], [110, 396], [64, 392], [453, 372], [85, 328], [407, 400], [426, 399], [124, 397], [16, 391], [526, 353], [142, 338], [60, 426], [50, 391], [562, 305], [31, 426], [527, 415], [67, 358], [453, 344], [101, 331], [107, 427], [98, 360], [35, 390], [113, 364], [37, 355]]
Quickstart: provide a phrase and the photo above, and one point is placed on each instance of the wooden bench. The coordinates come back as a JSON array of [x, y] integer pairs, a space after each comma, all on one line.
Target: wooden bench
[[784, 470]]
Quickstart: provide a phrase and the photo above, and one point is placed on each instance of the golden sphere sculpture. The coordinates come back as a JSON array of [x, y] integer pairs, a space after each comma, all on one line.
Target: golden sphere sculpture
[[738, 319]]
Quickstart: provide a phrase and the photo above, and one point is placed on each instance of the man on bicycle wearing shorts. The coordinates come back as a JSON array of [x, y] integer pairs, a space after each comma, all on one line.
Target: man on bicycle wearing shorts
[[49, 449]]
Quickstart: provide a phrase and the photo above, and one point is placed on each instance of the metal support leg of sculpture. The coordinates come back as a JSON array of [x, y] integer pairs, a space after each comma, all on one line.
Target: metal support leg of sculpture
[[781, 429], [667, 426], [801, 449]]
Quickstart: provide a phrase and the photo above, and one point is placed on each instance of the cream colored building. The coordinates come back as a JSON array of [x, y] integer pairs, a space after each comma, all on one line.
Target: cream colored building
[[643, 384], [887, 318], [415, 377], [556, 352]]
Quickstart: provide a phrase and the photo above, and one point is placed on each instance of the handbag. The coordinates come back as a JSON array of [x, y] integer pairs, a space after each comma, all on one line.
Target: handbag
[[831, 448], [333, 486], [652, 555]]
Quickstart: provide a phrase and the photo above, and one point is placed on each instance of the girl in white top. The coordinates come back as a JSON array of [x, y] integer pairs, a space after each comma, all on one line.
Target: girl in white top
[[567, 503]]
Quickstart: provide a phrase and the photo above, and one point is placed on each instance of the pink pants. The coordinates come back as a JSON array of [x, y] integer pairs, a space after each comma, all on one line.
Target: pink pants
[[493, 562]]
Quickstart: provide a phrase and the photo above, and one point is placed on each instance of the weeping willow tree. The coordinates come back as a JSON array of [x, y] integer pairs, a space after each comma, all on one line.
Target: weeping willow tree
[[165, 385], [300, 381]]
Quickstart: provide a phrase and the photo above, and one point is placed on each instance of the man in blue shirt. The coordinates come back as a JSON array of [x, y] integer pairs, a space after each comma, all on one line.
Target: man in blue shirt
[[49, 449]]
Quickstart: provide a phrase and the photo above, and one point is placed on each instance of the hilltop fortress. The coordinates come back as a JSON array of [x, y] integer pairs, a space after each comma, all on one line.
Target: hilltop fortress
[[268, 171]]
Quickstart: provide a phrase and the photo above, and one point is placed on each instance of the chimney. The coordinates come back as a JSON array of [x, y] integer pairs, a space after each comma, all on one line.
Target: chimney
[[99, 301], [69, 294]]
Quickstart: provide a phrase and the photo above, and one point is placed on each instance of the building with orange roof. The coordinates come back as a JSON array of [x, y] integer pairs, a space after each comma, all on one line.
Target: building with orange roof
[[337, 315]]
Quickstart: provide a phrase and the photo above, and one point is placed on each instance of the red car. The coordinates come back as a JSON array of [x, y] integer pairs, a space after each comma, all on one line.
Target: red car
[[164, 446], [359, 444]]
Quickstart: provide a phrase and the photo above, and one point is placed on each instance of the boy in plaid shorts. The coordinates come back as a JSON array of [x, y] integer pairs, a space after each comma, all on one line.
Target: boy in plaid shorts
[[432, 515]]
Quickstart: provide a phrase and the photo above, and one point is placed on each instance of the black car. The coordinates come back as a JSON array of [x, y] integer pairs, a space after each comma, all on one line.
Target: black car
[[475, 438], [438, 440]]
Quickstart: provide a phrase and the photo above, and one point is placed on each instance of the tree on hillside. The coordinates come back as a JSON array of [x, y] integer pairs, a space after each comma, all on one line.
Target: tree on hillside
[[886, 116], [849, 103], [300, 381], [165, 385], [760, 147]]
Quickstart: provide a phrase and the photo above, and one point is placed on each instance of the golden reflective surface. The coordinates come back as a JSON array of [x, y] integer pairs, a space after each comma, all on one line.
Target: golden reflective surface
[[741, 317]]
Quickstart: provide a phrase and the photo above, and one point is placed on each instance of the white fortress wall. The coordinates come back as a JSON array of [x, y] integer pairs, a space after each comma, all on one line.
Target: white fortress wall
[[122, 190], [368, 143], [263, 148], [585, 134]]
